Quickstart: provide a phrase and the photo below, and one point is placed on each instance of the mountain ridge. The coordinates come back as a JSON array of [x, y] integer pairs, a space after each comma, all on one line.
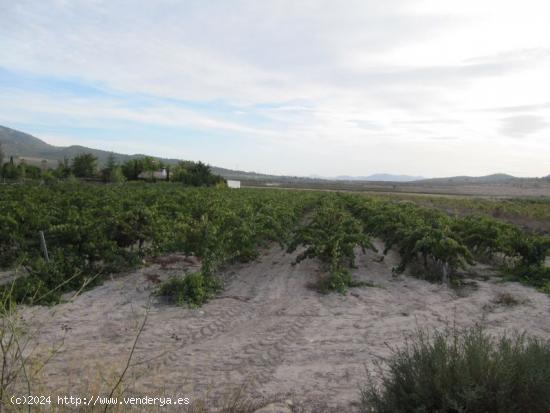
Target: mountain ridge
[[26, 146]]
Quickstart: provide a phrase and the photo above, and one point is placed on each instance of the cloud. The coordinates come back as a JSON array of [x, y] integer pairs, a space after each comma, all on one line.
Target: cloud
[[520, 108], [352, 78], [512, 56], [523, 125]]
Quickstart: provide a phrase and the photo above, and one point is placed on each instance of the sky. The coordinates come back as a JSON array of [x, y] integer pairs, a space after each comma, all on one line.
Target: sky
[[349, 87]]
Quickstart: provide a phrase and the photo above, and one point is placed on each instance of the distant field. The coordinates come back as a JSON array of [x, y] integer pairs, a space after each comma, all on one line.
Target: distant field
[[527, 211], [531, 188]]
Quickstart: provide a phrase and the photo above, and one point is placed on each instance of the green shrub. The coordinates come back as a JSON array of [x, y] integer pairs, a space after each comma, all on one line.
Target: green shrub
[[194, 289], [45, 282], [464, 371], [536, 275], [338, 279], [331, 236]]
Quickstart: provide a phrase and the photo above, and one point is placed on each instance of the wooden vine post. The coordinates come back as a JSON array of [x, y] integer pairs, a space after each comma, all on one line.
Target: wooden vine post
[[44, 247]]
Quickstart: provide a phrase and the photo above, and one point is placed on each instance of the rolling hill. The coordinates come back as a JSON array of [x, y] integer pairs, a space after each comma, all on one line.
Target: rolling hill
[[24, 146]]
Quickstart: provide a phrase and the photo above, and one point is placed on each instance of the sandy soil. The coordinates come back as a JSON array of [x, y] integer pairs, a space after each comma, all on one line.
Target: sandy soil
[[267, 330]]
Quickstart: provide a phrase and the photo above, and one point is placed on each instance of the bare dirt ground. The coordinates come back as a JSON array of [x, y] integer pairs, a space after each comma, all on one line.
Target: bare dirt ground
[[267, 330]]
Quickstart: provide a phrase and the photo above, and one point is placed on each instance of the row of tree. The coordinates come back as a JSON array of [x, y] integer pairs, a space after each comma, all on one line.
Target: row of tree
[[86, 166]]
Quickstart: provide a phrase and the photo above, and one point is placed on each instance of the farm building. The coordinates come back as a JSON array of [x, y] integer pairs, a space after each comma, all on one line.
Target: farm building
[[162, 174], [233, 184]]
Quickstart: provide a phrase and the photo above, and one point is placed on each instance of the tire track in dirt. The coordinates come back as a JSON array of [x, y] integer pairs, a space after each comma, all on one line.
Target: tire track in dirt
[[268, 331], [242, 341]]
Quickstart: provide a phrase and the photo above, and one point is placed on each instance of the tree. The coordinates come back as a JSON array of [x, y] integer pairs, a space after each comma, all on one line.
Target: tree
[[196, 174], [112, 171], [116, 175], [22, 170], [1, 161], [84, 165], [150, 165], [9, 170], [33, 172], [111, 161], [63, 169], [132, 168]]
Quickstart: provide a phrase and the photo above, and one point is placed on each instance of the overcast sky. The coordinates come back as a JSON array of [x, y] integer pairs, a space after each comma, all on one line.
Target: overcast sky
[[431, 88]]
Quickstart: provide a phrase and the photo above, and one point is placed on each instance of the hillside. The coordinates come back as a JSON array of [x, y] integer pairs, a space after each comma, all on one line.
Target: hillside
[[381, 178], [34, 150], [491, 179], [22, 145]]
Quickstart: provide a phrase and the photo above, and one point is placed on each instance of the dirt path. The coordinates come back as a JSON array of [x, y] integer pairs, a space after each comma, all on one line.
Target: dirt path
[[268, 330]]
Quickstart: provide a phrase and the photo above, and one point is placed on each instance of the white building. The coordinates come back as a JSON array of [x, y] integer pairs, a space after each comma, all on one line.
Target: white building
[[162, 175], [233, 184]]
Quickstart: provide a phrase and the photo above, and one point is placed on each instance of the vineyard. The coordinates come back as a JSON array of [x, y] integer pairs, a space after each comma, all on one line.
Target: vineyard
[[279, 291], [93, 230]]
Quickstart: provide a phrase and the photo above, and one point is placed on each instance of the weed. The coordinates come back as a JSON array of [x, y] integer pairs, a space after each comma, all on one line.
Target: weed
[[463, 371], [194, 289]]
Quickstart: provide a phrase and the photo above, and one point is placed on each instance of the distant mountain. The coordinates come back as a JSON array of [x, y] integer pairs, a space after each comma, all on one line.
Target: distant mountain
[[33, 150], [380, 178], [24, 146], [487, 179]]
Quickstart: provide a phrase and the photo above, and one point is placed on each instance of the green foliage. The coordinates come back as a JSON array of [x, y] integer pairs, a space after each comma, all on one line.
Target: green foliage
[[32, 172], [537, 275], [132, 168], [84, 165], [93, 229], [464, 371], [151, 165], [430, 237], [484, 236], [502, 209], [331, 235], [116, 176], [63, 170], [46, 281], [338, 279], [195, 174], [48, 177], [194, 289], [11, 171], [420, 234], [10, 239], [112, 171], [532, 249]]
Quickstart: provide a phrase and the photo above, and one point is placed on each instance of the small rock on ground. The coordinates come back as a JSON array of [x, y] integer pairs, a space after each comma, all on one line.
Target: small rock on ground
[[275, 408]]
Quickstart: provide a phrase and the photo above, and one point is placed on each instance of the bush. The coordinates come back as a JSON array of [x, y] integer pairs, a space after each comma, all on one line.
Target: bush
[[536, 275], [338, 279], [331, 236], [464, 371], [196, 174], [194, 289], [46, 282]]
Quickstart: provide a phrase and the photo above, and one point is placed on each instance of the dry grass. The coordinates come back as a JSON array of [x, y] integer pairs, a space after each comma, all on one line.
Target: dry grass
[[506, 299]]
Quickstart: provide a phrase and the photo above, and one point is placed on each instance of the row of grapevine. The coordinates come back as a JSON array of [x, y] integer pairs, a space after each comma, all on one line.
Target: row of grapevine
[[95, 229], [92, 230], [431, 236], [331, 234]]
